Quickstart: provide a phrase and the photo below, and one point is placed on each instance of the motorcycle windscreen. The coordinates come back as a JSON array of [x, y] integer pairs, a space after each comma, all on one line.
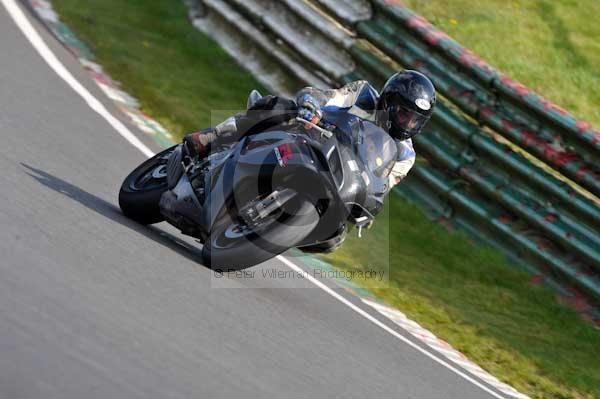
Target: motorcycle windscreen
[[378, 151]]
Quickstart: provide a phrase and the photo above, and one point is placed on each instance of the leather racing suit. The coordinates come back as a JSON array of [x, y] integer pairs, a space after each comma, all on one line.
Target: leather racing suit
[[357, 98]]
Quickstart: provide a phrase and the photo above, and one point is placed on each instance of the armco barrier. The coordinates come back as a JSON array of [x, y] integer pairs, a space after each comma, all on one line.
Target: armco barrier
[[471, 137], [511, 109], [481, 146]]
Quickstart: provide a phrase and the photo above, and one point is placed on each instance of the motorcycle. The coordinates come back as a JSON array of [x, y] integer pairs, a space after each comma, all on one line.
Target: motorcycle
[[295, 185]]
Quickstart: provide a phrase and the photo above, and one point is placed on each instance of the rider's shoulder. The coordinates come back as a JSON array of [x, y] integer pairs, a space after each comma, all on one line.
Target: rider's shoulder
[[359, 86], [406, 149]]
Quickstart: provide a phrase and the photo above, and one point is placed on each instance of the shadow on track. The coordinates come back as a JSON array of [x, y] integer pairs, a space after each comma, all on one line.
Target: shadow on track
[[113, 213]]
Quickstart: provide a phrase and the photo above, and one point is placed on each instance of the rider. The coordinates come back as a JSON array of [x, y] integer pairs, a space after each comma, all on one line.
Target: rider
[[402, 109]]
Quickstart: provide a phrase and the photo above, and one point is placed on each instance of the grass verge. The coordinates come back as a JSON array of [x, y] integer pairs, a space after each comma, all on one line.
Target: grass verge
[[465, 294], [551, 46], [179, 74], [469, 296]]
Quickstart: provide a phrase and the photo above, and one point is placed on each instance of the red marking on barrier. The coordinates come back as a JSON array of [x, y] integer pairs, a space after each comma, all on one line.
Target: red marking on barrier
[[587, 169], [523, 90], [557, 156], [471, 98], [486, 112], [582, 171], [395, 3], [551, 217], [433, 37], [582, 126], [419, 64], [504, 219], [418, 22], [550, 106], [537, 279], [470, 59], [468, 95], [466, 57], [520, 88], [529, 137], [507, 124]]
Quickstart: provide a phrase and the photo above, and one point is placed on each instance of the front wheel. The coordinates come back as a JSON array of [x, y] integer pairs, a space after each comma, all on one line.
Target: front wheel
[[232, 245], [141, 191]]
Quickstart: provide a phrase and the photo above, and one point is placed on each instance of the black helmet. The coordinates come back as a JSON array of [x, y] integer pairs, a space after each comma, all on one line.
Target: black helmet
[[406, 104]]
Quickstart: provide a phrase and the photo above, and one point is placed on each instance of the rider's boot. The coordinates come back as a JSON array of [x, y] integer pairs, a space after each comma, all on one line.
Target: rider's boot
[[199, 143]]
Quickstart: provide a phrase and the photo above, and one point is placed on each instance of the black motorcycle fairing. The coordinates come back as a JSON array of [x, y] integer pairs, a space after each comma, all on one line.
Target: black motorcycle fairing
[[254, 170], [378, 152], [368, 154]]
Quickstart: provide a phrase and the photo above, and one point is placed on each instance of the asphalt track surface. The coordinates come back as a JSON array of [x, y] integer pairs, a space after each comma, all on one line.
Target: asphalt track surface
[[93, 305]]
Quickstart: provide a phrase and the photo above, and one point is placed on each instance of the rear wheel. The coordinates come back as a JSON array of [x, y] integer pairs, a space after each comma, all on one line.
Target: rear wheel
[[233, 245], [141, 191]]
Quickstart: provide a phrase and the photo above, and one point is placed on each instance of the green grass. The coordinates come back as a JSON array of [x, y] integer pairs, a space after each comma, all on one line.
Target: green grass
[[552, 46], [465, 294], [180, 74], [470, 297]]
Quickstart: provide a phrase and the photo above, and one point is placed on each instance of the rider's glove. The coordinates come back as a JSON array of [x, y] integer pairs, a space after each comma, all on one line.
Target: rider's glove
[[400, 170], [309, 109]]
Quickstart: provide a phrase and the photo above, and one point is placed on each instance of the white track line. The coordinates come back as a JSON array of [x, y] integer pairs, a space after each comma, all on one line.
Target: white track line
[[378, 323], [38, 43]]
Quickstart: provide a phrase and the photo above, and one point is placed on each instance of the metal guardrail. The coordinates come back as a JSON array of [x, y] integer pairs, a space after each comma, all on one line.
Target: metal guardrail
[[493, 99], [488, 139]]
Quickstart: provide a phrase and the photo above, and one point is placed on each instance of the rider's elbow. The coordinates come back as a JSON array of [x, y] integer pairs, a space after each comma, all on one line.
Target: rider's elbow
[[400, 170]]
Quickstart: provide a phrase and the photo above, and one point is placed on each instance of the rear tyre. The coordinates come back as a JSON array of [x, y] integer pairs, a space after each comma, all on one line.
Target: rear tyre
[[141, 191], [231, 246]]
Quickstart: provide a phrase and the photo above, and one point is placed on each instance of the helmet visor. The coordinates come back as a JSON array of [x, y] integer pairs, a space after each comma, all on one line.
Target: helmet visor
[[406, 123]]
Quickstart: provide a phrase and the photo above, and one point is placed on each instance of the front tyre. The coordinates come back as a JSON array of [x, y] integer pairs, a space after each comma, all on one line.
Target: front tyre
[[141, 191], [234, 246]]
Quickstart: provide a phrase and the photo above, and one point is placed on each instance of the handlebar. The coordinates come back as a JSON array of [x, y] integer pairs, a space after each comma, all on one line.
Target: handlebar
[[310, 125]]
